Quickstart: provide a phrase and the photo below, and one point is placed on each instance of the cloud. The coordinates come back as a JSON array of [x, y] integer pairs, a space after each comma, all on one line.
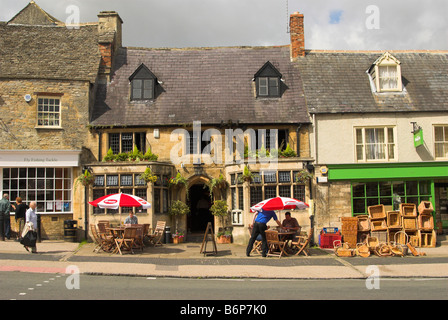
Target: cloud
[[329, 24]]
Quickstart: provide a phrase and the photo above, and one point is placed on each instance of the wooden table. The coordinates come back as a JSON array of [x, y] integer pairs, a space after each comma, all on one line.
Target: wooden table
[[282, 236]]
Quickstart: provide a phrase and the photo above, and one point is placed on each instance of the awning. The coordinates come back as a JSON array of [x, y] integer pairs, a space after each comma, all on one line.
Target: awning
[[39, 158]]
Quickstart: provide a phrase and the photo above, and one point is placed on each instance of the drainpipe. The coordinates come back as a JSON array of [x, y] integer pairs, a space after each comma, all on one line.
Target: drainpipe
[[298, 139]]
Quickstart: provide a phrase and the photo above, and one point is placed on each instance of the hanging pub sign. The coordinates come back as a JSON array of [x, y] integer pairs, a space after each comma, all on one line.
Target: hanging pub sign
[[418, 138]]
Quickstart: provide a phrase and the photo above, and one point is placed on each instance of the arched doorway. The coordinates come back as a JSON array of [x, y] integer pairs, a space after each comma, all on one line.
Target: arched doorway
[[199, 202]]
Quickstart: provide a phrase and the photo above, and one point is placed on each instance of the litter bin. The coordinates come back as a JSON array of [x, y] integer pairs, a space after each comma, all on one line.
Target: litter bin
[[70, 227], [167, 234]]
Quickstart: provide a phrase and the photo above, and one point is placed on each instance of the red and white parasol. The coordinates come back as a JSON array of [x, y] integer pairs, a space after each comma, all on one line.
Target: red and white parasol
[[279, 203], [113, 201]]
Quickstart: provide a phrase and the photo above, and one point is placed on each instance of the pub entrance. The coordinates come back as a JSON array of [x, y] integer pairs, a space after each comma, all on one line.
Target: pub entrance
[[200, 215]]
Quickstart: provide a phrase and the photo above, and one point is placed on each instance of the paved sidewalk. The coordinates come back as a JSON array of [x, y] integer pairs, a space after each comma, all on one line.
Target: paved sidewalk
[[185, 260]]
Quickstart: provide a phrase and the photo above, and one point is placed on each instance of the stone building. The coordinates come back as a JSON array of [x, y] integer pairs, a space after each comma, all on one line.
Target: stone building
[[205, 113], [48, 82]]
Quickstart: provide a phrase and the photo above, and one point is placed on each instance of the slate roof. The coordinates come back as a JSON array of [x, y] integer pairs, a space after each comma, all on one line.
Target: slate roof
[[205, 84], [34, 45], [337, 82]]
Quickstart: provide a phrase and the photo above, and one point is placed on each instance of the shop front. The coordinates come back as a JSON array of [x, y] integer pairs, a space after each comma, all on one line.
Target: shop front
[[45, 177], [392, 184]]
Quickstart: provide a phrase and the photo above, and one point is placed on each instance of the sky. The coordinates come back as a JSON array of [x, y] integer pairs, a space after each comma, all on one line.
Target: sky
[[329, 24]]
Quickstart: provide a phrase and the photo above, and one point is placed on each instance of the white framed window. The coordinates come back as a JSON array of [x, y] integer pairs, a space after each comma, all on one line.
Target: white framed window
[[375, 144], [48, 111], [388, 78], [386, 74], [441, 141], [51, 188]]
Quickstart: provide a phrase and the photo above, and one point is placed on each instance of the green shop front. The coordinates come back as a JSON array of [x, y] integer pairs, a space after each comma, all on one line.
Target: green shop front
[[393, 183]]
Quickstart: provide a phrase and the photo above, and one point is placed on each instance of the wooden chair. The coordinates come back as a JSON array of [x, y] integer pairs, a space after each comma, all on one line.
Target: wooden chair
[[145, 231], [301, 243], [156, 237], [276, 248], [105, 234], [257, 244], [100, 243], [127, 242], [139, 237]]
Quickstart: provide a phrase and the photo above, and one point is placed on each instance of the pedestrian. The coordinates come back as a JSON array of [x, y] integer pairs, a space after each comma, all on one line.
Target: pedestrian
[[5, 208], [259, 226], [20, 211], [31, 225]]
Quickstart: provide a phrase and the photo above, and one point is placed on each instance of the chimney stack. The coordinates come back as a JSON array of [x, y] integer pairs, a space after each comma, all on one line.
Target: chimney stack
[[109, 39], [297, 35]]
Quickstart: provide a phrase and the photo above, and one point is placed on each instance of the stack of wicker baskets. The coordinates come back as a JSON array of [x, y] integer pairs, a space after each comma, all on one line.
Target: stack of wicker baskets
[[426, 232]]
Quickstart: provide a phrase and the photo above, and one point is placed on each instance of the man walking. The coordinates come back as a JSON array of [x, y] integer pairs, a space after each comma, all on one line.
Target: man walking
[[259, 226], [5, 226]]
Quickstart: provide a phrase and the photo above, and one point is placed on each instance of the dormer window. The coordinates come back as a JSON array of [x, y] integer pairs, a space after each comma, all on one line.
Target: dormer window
[[268, 81], [386, 74], [143, 83]]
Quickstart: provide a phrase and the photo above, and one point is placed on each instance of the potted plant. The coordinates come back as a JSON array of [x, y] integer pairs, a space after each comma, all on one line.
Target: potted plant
[[224, 236], [221, 210], [148, 176], [178, 208], [178, 237]]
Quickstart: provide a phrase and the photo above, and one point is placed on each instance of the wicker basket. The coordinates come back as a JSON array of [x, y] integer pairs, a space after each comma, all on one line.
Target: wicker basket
[[362, 250], [377, 212], [351, 240], [382, 236], [378, 225], [349, 224], [372, 242], [427, 239], [426, 222], [408, 210], [342, 250], [409, 223], [425, 207], [363, 223], [393, 220]]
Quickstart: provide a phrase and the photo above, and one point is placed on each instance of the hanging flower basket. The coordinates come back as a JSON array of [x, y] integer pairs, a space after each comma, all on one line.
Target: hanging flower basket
[[85, 179], [148, 176], [303, 176]]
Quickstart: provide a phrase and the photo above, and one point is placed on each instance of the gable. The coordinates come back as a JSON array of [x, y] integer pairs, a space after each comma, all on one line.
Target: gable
[[268, 70], [142, 72], [32, 14]]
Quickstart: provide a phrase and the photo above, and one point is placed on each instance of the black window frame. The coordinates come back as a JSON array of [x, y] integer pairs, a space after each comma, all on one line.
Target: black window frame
[[270, 79], [146, 81]]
